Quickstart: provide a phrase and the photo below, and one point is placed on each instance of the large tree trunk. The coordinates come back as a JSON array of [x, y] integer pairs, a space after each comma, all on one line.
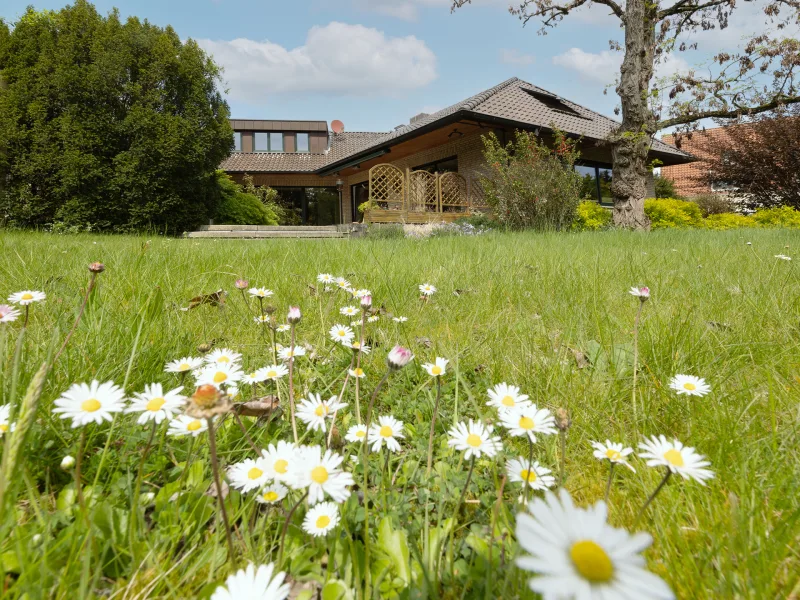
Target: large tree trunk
[[631, 142]]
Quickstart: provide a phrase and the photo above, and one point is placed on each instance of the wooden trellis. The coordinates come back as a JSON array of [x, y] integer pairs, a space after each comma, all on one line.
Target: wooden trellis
[[422, 191], [387, 187], [453, 192], [477, 196]]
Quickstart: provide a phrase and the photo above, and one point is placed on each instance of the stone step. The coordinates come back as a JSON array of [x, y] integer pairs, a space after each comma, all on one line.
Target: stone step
[[268, 228], [251, 234]]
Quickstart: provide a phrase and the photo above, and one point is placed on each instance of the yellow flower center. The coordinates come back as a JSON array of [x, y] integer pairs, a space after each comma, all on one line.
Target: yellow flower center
[[219, 377], [342, 333], [155, 404], [674, 457], [223, 359], [321, 410], [359, 372], [319, 474], [436, 370], [184, 367], [528, 476], [270, 496], [474, 440], [194, 426], [386, 431], [591, 561], [525, 423], [361, 433], [27, 296], [281, 466], [613, 454], [323, 521], [254, 473], [689, 386], [272, 373], [91, 405], [507, 401], [3, 428]]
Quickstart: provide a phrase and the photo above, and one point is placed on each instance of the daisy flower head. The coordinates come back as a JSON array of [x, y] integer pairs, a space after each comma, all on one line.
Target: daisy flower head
[[250, 474], [528, 420], [612, 452], [366, 302], [271, 494], [322, 475], [219, 374], [373, 319], [254, 582], [294, 315], [5, 414], [399, 357], [272, 372], [186, 425], [253, 378], [325, 278], [222, 356], [8, 313], [357, 372], [280, 460], [90, 403], [643, 293], [426, 289], [475, 439], [183, 365], [262, 319], [689, 385], [320, 519], [155, 405], [676, 457], [534, 475], [388, 430], [362, 293], [288, 353], [283, 328], [342, 283], [241, 284], [437, 367], [356, 433], [783, 257], [27, 297], [342, 334], [577, 554], [314, 410], [349, 311], [399, 319], [261, 292], [504, 396], [357, 346]]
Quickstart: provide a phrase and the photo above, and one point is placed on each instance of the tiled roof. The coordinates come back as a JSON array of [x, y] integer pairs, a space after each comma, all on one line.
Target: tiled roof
[[512, 100]]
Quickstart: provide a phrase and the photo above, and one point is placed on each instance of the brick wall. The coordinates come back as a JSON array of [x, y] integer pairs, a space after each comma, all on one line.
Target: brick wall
[[688, 178]]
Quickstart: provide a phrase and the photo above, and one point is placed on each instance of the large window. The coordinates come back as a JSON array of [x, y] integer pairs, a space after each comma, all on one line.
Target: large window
[[302, 142], [310, 205], [267, 142], [237, 141], [445, 165], [596, 183]]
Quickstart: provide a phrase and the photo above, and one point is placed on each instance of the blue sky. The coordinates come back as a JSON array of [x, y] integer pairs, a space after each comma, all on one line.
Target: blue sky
[[375, 63]]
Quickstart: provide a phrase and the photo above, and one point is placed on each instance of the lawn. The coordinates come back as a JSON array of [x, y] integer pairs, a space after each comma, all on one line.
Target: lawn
[[550, 313]]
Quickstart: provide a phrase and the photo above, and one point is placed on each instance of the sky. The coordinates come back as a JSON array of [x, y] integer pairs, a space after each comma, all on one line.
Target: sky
[[373, 64]]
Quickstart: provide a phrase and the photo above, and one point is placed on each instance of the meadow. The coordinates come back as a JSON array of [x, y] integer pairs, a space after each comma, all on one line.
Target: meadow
[[550, 313]]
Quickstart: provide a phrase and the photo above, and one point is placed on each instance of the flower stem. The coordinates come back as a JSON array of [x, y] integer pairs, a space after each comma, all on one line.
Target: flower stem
[[78, 484], [636, 357], [138, 485], [466, 485], [89, 289], [27, 313], [291, 386], [215, 468], [562, 434], [652, 497], [286, 526], [610, 479], [341, 394], [250, 441], [433, 426], [358, 363]]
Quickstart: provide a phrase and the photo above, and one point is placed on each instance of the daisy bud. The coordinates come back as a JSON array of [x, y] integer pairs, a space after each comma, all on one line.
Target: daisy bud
[[399, 357], [294, 315], [242, 284], [269, 309], [205, 396], [366, 302], [36, 539], [563, 421], [97, 267], [204, 348], [67, 462]]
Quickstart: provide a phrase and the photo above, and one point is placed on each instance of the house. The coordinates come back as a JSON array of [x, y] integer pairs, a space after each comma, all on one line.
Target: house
[[427, 169], [693, 178]]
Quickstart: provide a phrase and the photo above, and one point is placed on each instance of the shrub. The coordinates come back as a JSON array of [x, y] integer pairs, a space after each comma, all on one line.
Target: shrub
[[591, 216], [783, 216], [237, 207], [728, 221], [666, 213], [664, 187], [532, 185], [266, 195], [713, 204], [479, 221]]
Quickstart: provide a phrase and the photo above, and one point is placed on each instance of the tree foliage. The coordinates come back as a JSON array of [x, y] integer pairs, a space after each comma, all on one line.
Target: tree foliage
[[664, 187], [239, 206], [109, 125]]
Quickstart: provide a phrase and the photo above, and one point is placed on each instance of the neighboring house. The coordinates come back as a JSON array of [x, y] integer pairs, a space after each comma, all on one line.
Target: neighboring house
[[325, 175], [693, 178]]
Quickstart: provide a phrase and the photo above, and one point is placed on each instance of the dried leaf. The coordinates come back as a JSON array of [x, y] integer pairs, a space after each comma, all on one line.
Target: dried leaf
[[215, 299], [424, 342], [263, 407], [312, 290], [580, 358], [212, 490]]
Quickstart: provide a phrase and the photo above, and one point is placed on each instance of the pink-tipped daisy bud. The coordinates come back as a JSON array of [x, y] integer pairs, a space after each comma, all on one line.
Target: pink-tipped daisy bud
[[97, 267], [399, 357], [242, 284], [269, 309], [366, 302], [643, 293], [294, 315]]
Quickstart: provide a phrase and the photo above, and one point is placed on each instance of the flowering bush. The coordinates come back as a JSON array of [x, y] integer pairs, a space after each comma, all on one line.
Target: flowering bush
[[783, 216], [670, 212], [591, 216], [728, 221]]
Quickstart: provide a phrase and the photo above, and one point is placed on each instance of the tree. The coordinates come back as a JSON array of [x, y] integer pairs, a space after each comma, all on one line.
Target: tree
[[759, 161], [665, 187], [112, 125], [757, 78]]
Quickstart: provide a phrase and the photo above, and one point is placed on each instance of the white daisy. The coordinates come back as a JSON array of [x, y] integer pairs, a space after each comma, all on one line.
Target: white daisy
[[155, 405], [528, 420], [254, 583], [387, 429], [272, 372], [689, 385], [536, 476], [349, 311], [612, 452], [503, 396], [325, 278], [314, 410], [426, 289], [250, 474], [90, 403], [437, 368], [783, 257], [186, 425], [357, 372], [26, 297], [361, 293], [356, 346], [355, 323], [283, 328], [321, 518], [356, 433], [262, 319], [254, 377], [271, 494], [220, 374], [286, 353], [373, 319], [475, 438], [676, 457], [183, 365], [5, 426], [342, 283], [342, 334], [399, 319], [578, 555], [642, 293], [222, 356], [280, 460], [261, 292], [322, 474], [8, 313]]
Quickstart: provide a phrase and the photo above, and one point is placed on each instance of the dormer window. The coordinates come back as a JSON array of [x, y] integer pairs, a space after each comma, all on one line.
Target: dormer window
[[267, 142], [302, 143], [237, 141], [554, 103]]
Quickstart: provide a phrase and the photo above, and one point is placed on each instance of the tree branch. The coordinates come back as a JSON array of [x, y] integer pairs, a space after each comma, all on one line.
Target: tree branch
[[729, 114], [686, 6]]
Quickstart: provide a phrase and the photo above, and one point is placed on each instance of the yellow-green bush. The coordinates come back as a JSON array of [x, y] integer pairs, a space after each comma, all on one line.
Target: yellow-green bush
[[728, 221], [665, 213], [590, 216], [783, 216]]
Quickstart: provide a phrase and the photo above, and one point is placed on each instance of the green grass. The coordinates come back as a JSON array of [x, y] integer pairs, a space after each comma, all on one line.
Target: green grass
[[510, 307]]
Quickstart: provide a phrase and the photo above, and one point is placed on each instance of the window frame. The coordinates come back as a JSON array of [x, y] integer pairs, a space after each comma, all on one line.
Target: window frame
[[237, 137], [269, 147], [297, 142]]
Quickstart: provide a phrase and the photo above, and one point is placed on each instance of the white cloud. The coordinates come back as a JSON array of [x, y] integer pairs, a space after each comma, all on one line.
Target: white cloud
[[409, 10], [511, 56], [603, 67], [338, 58]]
